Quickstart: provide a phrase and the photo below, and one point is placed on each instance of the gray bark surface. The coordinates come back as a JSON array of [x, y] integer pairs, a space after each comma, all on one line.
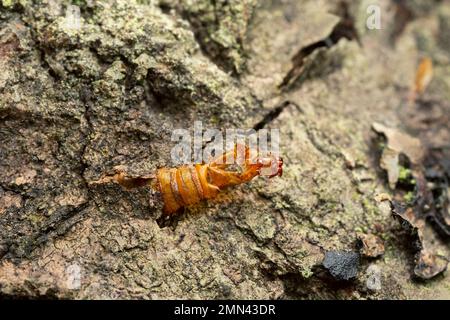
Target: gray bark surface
[[75, 102]]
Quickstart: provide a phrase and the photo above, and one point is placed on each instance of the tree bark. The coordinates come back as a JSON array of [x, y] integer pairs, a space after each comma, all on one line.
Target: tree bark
[[79, 97]]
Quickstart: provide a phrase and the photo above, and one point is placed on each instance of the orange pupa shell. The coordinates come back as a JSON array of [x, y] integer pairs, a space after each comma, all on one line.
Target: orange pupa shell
[[188, 185]]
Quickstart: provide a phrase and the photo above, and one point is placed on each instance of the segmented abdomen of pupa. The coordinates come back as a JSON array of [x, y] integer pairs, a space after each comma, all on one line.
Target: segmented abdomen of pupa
[[184, 186]]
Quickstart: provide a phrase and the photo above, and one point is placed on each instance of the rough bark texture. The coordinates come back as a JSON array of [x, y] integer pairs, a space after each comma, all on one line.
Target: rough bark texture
[[75, 102]]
